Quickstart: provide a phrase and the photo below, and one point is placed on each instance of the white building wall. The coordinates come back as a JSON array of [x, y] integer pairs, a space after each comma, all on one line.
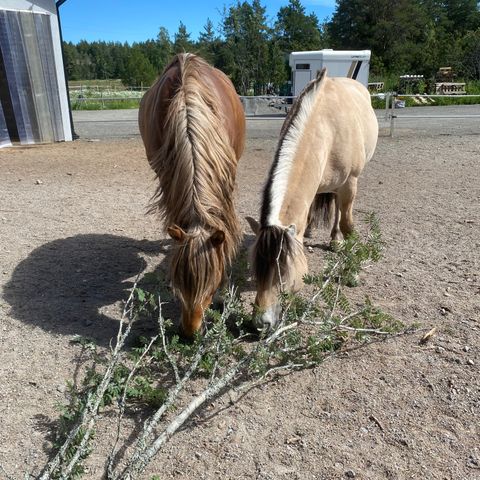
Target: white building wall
[[49, 7]]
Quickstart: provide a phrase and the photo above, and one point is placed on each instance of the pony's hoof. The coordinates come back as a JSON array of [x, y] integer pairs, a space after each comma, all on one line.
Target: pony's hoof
[[335, 245]]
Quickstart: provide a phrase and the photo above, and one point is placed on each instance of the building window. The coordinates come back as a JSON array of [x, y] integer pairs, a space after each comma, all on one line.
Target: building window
[[302, 66]]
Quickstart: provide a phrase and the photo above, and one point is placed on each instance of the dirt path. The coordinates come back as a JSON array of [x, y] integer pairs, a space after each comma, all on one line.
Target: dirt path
[[73, 235]]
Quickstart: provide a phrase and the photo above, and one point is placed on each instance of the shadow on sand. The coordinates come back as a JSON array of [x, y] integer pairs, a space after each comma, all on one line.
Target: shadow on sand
[[62, 285]]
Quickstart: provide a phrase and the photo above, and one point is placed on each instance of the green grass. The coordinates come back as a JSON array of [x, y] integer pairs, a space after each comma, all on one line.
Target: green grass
[[95, 104], [442, 101], [104, 96], [391, 85], [473, 87], [101, 84], [437, 101]]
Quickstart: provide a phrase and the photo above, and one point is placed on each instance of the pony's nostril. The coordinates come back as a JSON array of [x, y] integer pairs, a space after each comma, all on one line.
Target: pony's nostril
[[263, 323], [266, 328], [258, 322]]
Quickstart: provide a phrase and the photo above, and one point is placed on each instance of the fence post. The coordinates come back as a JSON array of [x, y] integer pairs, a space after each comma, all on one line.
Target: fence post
[[392, 114], [387, 105]]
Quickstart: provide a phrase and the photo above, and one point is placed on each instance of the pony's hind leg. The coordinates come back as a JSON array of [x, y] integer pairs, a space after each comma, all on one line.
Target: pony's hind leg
[[345, 197], [335, 235]]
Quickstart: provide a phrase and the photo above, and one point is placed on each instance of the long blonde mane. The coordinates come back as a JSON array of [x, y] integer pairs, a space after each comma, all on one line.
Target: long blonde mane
[[196, 167]]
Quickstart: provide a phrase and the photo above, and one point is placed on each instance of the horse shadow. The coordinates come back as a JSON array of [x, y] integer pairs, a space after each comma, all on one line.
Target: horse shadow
[[67, 286]]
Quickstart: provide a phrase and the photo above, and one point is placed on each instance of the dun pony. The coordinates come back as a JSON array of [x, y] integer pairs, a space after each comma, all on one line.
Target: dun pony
[[327, 138]]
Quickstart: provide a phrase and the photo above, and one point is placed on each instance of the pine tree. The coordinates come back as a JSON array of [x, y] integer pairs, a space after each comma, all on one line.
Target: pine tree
[[209, 43], [296, 30], [182, 42], [165, 47], [138, 70], [246, 46]]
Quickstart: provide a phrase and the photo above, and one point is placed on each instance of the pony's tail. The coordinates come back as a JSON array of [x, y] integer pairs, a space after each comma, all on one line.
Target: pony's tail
[[321, 211]]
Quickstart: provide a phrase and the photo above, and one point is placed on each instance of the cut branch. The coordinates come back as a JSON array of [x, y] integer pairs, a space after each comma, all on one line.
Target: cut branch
[[86, 423]]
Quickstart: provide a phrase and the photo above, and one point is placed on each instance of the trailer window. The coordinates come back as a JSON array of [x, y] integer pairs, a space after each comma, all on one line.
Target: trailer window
[[302, 66]]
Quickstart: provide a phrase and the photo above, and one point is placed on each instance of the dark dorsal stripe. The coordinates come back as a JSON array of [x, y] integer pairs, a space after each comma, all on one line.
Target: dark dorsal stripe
[[292, 115]]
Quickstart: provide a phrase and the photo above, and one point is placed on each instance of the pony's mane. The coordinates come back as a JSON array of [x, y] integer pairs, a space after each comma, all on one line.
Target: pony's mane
[[196, 165], [290, 137], [273, 247]]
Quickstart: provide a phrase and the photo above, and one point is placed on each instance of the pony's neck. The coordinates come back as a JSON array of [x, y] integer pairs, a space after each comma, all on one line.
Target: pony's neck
[[290, 187]]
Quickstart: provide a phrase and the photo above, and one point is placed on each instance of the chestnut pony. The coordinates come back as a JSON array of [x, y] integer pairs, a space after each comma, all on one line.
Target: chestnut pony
[[327, 138], [193, 127]]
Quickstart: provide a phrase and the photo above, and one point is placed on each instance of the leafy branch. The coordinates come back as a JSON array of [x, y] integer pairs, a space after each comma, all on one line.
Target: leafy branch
[[310, 330]]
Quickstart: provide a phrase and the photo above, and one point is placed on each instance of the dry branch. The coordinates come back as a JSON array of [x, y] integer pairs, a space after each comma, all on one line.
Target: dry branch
[[122, 403], [274, 352], [87, 421]]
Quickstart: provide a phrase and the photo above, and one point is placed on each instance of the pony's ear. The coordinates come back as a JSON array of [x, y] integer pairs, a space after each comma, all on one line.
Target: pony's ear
[[321, 73], [176, 233], [292, 229], [254, 225], [217, 238]]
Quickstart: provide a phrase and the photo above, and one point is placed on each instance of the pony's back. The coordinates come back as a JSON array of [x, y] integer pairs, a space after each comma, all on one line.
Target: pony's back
[[353, 93]]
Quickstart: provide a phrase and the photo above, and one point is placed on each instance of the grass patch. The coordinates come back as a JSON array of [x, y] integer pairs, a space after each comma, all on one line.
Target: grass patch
[[379, 103], [95, 104], [97, 84]]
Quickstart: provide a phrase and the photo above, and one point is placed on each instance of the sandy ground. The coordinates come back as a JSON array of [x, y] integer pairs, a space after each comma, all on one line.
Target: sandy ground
[[73, 235]]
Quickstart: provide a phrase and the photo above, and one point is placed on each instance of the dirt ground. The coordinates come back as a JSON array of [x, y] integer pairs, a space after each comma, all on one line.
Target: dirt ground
[[73, 235]]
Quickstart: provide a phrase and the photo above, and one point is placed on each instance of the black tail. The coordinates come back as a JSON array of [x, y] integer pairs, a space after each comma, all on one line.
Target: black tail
[[321, 210]]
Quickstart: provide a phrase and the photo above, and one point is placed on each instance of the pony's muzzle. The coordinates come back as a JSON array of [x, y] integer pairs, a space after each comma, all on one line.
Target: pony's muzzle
[[192, 318], [267, 319]]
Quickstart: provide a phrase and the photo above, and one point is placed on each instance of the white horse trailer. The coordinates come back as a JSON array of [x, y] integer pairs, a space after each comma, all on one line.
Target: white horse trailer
[[340, 63]]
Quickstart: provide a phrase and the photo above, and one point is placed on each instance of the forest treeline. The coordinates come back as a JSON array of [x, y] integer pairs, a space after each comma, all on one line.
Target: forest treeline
[[405, 37]]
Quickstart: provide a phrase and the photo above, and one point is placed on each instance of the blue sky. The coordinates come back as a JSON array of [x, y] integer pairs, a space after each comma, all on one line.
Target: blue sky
[[139, 20]]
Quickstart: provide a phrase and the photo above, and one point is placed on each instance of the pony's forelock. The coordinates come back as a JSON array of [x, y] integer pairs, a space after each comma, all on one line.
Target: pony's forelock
[[197, 267], [272, 253]]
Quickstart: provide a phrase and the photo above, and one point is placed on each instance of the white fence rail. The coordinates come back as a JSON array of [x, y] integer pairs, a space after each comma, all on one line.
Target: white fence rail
[[102, 88], [269, 105], [392, 115]]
